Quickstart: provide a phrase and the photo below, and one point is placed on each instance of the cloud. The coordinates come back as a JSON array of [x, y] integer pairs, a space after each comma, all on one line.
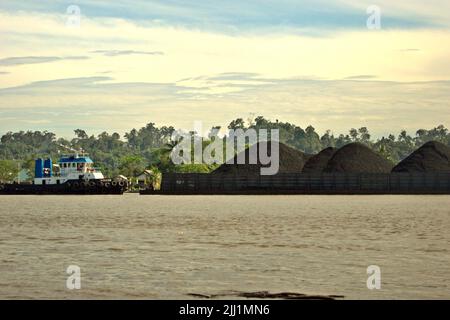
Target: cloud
[[16, 61], [40, 121], [227, 79], [192, 52], [410, 50], [235, 76], [102, 103], [264, 65], [114, 53], [412, 13], [361, 77], [68, 82], [251, 15], [97, 85]]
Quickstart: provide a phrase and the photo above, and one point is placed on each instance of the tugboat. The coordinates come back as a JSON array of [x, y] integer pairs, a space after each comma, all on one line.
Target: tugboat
[[74, 174]]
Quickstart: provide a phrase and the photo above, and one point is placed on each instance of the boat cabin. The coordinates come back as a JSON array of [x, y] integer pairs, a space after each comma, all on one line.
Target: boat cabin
[[72, 167]]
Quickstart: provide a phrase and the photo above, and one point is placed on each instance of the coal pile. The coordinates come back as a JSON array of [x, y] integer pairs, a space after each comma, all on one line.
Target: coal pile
[[318, 162], [433, 156], [357, 158], [290, 161]]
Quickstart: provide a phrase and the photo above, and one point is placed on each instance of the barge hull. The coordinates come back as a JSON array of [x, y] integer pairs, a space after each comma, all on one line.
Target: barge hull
[[63, 189], [301, 183]]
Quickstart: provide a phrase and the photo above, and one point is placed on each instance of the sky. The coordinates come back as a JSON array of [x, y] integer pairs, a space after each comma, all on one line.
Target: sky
[[114, 66]]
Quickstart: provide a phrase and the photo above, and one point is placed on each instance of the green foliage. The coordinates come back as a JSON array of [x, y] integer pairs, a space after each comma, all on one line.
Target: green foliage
[[194, 168], [9, 171], [131, 166], [151, 146], [155, 178]]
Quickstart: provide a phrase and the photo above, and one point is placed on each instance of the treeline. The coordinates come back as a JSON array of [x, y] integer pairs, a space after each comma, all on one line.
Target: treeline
[[150, 146]]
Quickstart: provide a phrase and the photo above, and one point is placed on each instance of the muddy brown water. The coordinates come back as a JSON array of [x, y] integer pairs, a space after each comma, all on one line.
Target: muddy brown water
[[166, 247]]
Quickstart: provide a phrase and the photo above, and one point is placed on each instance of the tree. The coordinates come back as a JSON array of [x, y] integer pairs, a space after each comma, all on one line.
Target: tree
[[81, 134], [9, 170], [132, 138], [383, 151], [131, 166], [354, 134], [328, 140], [151, 145], [313, 144], [342, 140], [115, 136], [364, 135], [214, 132], [193, 168], [237, 124]]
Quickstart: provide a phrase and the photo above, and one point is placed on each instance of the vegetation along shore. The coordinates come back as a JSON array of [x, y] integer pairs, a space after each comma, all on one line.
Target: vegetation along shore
[[150, 147]]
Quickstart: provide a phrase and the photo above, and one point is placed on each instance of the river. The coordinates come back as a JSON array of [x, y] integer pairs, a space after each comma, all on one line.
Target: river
[[166, 247]]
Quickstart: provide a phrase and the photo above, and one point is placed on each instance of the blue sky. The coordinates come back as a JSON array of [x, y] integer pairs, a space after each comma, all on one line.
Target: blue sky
[[176, 62], [233, 14]]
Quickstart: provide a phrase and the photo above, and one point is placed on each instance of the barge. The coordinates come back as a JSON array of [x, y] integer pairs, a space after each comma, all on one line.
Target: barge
[[303, 183]]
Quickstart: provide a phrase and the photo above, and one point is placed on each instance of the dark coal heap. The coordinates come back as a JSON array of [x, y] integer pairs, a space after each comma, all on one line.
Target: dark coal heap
[[433, 156], [291, 160]]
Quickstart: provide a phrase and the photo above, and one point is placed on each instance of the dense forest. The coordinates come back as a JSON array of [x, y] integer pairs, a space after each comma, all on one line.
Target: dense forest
[[150, 146]]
